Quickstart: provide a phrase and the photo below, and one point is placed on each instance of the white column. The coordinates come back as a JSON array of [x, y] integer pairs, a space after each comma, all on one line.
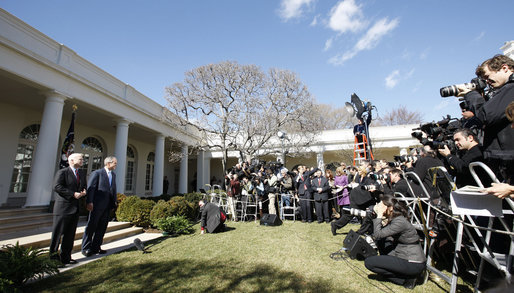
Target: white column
[[43, 166], [207, 167], [182, 185], [120, 152], [200, 180], [319, 159], [158, 175]]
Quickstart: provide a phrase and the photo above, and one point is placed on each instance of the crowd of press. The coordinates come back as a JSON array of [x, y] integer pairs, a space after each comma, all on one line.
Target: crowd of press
[[372, 190]]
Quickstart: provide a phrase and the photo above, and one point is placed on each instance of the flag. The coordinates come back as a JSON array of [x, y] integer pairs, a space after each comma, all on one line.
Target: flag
[[68, 145]]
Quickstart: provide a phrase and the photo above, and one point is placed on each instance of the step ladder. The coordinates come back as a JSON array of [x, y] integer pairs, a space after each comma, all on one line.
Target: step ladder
[[361, 150]]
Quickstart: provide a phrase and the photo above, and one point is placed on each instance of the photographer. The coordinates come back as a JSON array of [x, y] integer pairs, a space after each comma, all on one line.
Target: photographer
[[498, 135], [466, 141], [286, 187], [426, 161], [406, 261], [361, 198], [399, 183], [469, 120]]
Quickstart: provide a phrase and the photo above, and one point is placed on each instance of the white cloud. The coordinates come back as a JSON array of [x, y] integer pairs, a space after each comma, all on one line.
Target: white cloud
[[315, 21], [480, 36], [328, 44], [346, 16], [368, 41], [392, 79], [375, 33], [293, 8]]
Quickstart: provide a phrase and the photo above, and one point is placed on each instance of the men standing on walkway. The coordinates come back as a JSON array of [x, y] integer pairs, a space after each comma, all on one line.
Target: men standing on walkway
[[70, 185], [101, 199]]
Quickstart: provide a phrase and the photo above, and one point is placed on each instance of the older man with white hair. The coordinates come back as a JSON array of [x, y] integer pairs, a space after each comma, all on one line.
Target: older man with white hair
[[70, 185]]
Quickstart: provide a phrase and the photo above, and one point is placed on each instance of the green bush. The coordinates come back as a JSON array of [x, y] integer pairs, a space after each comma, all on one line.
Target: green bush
[[135, 210], [181, 207], [175, 225], [193, 197], [160, 210], [18, 264]]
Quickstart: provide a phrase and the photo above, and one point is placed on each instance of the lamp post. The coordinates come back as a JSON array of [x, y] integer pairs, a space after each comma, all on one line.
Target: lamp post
[[282, 135]]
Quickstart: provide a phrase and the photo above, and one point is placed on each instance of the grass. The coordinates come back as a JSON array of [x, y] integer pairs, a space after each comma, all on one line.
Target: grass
[[294, 257]]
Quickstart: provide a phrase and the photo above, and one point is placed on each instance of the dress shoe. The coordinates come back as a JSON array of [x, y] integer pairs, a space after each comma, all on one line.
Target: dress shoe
[[101, 251], [70, 262], [87, 253]]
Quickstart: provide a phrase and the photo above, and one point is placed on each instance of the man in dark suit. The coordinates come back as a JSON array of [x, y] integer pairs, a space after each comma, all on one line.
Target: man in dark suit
[[70, 185], [320, 188], [303, 185], [101, 199], [212, 217]]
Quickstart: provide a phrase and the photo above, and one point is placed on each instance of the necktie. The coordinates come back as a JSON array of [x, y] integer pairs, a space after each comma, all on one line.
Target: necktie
[[77, 176], [110, 177], [319, 182]]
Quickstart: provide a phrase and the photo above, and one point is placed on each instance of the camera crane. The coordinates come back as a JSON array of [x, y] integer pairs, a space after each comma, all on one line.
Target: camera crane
[[362, 149]]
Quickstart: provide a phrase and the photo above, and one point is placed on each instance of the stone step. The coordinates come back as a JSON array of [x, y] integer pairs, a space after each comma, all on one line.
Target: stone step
[[25, 224], [4, 213], [42, 240], [25, 218], [111, 236]]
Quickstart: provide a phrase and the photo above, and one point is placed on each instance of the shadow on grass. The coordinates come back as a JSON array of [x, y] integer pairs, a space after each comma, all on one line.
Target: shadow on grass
[[177, 276]]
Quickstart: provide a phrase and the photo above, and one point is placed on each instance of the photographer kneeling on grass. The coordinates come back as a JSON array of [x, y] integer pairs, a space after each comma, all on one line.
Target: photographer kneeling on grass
[[406, 261], [212, 217]]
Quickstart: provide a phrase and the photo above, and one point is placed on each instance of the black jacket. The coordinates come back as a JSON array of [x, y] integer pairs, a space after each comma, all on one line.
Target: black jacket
[[65, 184], [460, 166], [498, 135]]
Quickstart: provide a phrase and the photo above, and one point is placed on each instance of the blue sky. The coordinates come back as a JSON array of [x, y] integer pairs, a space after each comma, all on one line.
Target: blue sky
[[391, 53]]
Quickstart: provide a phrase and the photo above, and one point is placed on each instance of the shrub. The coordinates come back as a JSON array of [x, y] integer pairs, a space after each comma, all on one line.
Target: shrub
[[135, 210], [120, 197], [160, 210], [194, 197], [181, 207], [175, 225], [18, 264]]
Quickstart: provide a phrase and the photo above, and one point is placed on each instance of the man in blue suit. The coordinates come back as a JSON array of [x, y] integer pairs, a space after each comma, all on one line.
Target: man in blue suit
[[101, 199]]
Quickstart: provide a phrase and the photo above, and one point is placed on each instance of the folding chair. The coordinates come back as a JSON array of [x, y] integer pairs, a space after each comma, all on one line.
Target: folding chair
[[287, 211]]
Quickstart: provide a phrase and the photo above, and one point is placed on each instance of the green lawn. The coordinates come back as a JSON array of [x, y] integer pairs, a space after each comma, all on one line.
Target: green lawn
[[294, 257]]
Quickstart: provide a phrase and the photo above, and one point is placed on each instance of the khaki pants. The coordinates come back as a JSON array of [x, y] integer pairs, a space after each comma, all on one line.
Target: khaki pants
[[271, 206], [231, 202]]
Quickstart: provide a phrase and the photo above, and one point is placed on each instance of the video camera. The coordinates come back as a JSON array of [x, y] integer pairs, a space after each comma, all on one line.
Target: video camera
[[438, 133]]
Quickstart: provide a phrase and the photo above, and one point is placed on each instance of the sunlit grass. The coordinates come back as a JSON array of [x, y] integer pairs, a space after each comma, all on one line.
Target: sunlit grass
[[294, 257]]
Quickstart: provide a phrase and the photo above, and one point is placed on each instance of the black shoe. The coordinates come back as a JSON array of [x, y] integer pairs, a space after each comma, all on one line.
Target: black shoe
[[87, 253], [101, 251], [333, 228], [70, 262]]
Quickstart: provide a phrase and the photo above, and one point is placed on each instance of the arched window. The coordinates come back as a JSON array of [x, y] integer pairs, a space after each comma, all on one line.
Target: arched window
[[93, 154], [131, 170], [23, 162], [150, 161]]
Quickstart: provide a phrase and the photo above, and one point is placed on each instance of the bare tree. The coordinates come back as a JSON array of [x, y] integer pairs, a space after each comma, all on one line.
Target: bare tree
[[239, 107], [332, 117], [400, 116]]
